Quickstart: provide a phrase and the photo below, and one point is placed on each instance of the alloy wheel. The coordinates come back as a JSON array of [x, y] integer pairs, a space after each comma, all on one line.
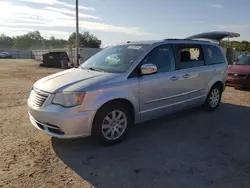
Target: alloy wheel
[[114, 125], [214, 97]]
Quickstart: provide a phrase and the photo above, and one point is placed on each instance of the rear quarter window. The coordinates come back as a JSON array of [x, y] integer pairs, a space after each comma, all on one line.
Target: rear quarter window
[[213, 55]]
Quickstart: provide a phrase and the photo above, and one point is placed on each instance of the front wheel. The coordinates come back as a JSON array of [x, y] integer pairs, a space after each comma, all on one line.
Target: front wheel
[[111, 123], [213, 98]]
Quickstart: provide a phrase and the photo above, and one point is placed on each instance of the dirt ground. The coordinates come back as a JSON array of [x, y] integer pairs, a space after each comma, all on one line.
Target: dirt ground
[[189, 149]]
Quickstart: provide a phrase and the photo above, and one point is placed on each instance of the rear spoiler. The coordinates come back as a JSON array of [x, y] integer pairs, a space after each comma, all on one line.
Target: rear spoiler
[[215, 36]]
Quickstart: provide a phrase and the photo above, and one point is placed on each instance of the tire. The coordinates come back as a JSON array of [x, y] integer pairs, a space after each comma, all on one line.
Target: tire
[[106, 129], [213, 98]]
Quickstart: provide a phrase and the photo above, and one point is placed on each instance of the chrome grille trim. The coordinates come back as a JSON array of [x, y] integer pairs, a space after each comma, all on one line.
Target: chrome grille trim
[[237, 75], [37, 99]]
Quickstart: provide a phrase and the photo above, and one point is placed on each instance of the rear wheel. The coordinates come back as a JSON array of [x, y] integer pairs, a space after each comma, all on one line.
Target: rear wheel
[[213, 98], [111, 123]]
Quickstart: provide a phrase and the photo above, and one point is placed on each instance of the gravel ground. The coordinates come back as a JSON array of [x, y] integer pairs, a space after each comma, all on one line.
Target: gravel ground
[[189, 149]]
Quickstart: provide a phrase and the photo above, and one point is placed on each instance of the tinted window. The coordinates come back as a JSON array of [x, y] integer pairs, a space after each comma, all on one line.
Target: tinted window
[[163, 57], [244, 60], [213, 55], [115, 58], [190, 56]]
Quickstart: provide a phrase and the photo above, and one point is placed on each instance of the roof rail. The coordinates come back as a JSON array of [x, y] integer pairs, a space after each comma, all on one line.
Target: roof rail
[[203, 40], [189, 40], [172, 39]]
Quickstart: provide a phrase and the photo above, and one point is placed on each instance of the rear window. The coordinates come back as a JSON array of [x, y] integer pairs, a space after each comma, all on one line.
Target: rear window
[[213, 55]]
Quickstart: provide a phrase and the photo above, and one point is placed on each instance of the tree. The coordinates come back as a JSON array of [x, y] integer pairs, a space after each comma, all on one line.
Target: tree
[[239, 46], [37, 41], [85, 40], [34, 40], [5, 42], [245, 45], [22, 42], [29, 40]]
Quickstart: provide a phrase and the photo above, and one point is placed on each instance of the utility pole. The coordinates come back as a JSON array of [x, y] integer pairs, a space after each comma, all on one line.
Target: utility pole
[[77, 35]]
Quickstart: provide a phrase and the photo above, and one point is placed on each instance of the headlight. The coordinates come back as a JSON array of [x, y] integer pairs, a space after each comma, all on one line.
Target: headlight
[[68, 99]]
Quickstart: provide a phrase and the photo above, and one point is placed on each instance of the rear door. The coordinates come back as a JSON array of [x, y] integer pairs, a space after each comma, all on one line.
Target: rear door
[[192, 72]]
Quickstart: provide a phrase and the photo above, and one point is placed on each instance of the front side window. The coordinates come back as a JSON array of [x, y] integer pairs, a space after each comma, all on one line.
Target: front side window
[[244, 60], [163, 57], [213, 55], [116, 59]]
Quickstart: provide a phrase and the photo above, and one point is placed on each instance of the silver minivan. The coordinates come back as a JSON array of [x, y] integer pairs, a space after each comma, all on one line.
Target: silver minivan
[[130, 83]]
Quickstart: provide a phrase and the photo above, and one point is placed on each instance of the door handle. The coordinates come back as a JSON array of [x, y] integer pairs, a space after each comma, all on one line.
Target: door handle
[[174, 78], [186, 76]]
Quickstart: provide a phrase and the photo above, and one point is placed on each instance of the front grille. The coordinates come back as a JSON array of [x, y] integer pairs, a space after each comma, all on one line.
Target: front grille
[[37, 99], [237, 75], [40, 125]]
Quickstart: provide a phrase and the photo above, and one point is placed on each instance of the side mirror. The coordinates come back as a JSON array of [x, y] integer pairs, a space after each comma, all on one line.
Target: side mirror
[[148, 69]]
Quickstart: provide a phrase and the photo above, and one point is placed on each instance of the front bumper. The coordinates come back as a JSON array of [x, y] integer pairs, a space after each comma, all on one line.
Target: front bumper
[[238, 82], [59, 122]]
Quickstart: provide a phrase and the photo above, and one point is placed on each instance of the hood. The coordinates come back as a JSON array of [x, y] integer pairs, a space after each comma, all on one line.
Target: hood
[[239, 68], [71, 80]]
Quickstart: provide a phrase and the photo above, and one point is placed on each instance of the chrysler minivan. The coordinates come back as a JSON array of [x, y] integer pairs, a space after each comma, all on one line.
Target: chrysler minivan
[[129, 83]]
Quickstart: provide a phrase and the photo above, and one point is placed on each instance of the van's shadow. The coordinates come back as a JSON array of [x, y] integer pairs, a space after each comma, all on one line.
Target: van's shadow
[[191, 148]]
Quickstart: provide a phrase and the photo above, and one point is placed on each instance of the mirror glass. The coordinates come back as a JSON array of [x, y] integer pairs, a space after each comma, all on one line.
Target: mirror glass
[[148, 69]]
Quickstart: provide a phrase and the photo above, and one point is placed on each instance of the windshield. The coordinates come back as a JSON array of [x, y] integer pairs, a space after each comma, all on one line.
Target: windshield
[[116, 59], [243, 60]]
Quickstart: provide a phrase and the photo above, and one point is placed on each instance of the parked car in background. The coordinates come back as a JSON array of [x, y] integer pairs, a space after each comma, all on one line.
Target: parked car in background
[[5, 55], [129, 83], [239, 72]]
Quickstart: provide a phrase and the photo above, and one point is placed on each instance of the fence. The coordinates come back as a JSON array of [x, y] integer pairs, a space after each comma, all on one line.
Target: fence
[[85, 53], [20, 54]]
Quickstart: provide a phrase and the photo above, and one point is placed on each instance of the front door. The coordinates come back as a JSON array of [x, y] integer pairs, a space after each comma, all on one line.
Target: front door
[[158, 91]]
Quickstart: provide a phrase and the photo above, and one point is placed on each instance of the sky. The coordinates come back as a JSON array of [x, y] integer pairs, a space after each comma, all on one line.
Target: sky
[[114, 21]]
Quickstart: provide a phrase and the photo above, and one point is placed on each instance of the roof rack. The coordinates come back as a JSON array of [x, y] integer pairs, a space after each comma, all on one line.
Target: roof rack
[[189, 40], [203, 40], [172, 39]]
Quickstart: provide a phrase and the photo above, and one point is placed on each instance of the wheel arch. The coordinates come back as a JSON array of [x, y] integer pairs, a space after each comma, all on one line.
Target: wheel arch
[[207, 102], [123, 101], [216, 80], [220, 83]]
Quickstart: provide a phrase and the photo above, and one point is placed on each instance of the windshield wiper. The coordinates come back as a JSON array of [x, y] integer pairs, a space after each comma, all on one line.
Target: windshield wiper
[[95, 69]]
